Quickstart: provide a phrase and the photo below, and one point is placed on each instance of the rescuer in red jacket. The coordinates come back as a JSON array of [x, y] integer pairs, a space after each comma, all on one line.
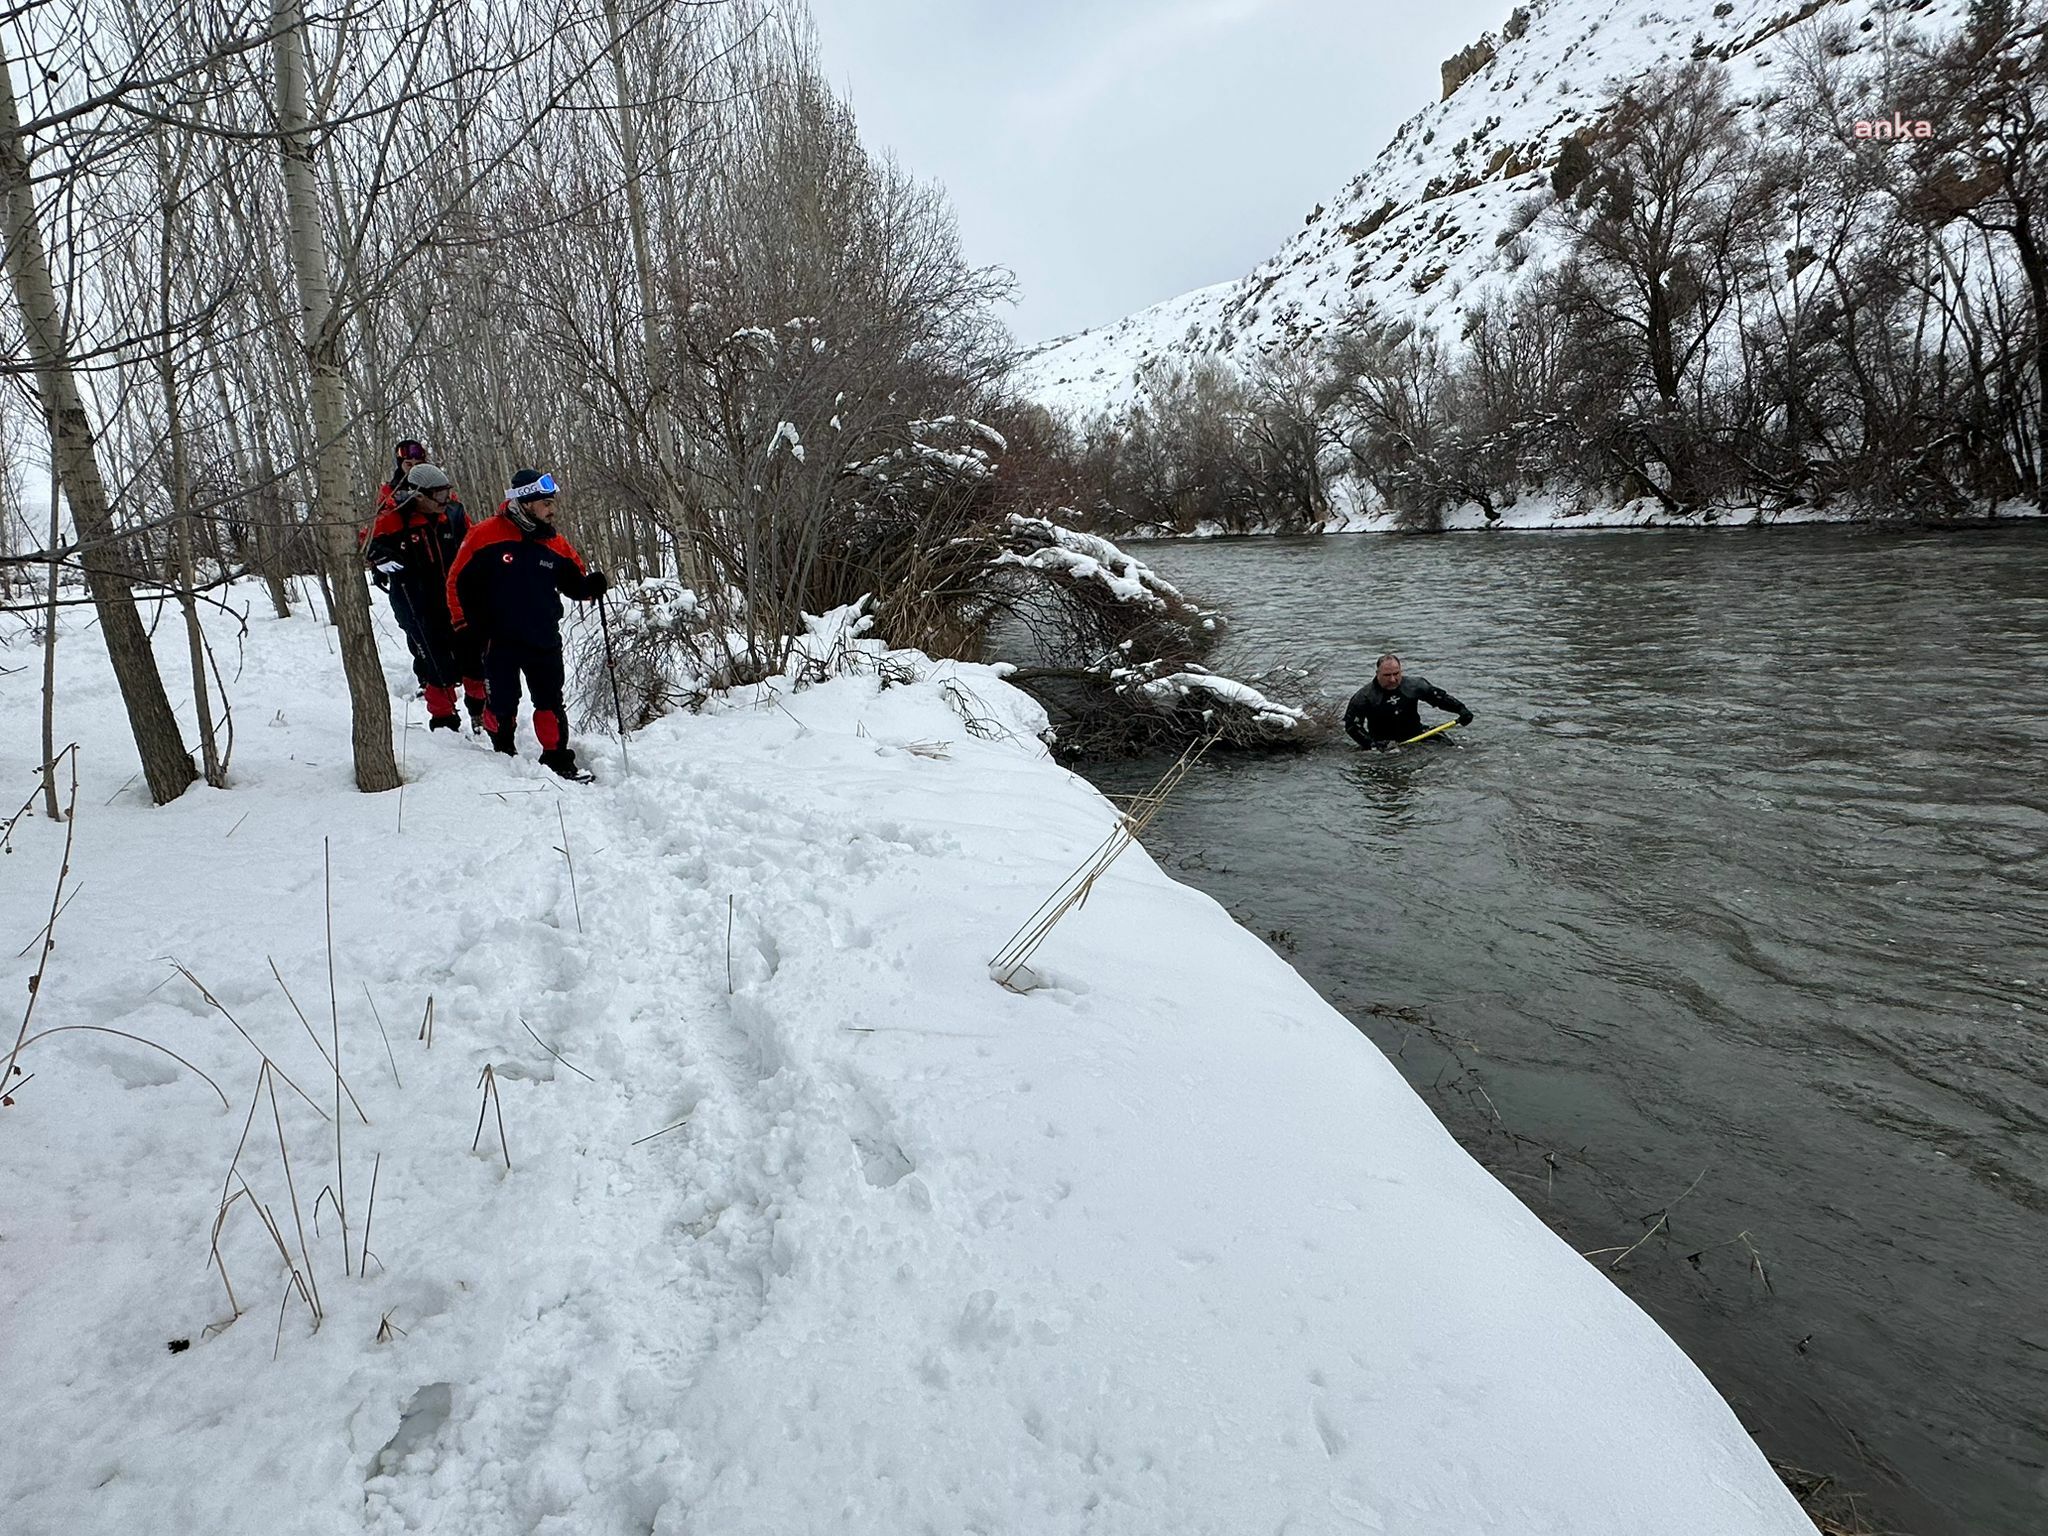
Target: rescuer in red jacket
[[507, 585], [412, 545]]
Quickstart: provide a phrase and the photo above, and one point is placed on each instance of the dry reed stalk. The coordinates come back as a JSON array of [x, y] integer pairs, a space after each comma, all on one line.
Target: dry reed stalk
[[1756, 1260], [1073, 891], [664, 1130], [220, 1220], [310, 1035], [369, 1216], [427, 1023], [31, 944], [334, 1017], [103, 1029], [326, 1194], [569, 858], [221, 1009], [404, 741], [728, 946], [565, 1061], [227, 1201], [268, 1218], [291, 1185], [283, 1301], [1661, 1224], [378, 1015], [489, 1084]]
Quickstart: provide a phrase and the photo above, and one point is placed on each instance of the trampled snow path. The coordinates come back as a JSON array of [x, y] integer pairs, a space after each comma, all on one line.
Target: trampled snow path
[[1164, 1246]]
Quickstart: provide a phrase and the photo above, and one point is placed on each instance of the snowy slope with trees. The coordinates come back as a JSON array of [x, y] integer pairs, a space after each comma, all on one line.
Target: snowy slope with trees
[[727, 1192], [1439, 224]]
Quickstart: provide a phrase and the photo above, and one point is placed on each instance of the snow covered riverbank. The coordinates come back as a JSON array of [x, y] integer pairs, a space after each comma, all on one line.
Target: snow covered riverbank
[[1552, 514], [822, 1230]]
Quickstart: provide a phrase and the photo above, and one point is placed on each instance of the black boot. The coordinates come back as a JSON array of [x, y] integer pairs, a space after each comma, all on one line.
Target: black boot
[[562, 761], [501, 741], [443, 723], [476, 715]]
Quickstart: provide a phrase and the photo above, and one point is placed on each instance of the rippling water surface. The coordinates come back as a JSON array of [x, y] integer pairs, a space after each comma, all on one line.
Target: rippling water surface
[[1732, 904]]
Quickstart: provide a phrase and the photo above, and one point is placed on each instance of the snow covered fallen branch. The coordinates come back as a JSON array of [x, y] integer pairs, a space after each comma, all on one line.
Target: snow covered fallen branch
[[1044, 546], [1235, 712]]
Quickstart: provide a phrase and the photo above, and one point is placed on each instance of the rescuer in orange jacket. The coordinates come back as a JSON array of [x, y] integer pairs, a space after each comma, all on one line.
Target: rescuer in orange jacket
[[506, 586], [411, 548]]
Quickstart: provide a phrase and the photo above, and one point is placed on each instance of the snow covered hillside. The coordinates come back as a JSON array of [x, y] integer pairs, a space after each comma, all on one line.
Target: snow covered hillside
[[807, 1224], [1439, 223]]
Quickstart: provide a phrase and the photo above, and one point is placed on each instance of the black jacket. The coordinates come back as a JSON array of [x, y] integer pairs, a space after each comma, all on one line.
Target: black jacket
[[508, 583], [423, 540], [1374, 714]]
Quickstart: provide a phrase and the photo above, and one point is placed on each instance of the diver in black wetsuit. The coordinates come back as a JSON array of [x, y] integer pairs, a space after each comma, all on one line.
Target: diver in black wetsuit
[[1383, 714]]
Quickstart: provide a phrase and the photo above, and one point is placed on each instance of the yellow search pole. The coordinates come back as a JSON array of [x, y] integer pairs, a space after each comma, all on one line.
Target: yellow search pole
[[1432, 731]]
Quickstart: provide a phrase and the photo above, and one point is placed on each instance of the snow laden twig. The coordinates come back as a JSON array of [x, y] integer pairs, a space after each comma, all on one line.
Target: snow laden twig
[[35, 982]]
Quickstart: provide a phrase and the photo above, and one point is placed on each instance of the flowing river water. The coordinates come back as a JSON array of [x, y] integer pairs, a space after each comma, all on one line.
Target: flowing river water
[[1722, 932]]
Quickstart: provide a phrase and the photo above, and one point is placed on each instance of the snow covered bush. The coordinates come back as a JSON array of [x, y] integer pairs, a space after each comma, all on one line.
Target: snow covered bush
[[1110, 649], [661, 655]]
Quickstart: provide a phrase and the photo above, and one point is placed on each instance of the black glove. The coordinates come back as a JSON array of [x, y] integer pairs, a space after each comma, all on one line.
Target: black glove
[[599, 584], [1465, 718]]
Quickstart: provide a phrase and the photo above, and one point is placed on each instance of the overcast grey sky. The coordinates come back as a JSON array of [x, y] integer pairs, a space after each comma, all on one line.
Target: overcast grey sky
[[1116, 153]]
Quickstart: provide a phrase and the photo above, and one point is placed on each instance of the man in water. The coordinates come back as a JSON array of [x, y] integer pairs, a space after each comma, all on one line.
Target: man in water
[[1383, 714]]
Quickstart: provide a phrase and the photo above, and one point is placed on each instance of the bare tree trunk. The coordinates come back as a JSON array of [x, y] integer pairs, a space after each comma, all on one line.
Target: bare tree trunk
[[660, 418], [264, 539], [369, 700], [2034, 263], [171, 176], [165, 763], [50, 806]]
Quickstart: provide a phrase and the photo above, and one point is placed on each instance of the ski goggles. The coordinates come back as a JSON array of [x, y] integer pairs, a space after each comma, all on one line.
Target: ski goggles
[[539, 490], [411, 448]]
